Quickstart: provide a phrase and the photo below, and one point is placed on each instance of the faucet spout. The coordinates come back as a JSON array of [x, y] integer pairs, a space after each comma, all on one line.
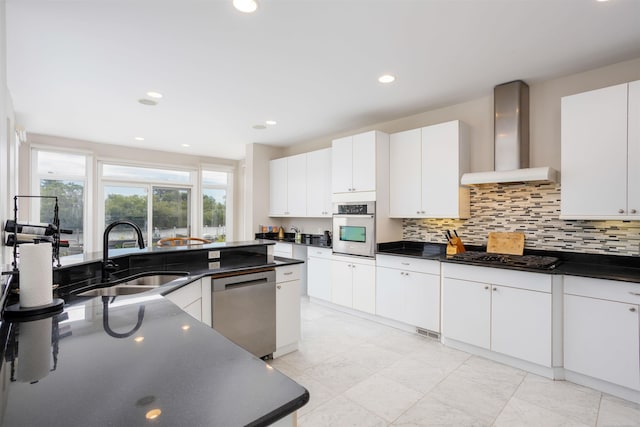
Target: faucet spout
[[107, 264]]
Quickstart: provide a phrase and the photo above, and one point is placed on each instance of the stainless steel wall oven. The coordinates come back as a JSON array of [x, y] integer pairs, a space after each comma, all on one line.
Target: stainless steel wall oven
[[354, 228]]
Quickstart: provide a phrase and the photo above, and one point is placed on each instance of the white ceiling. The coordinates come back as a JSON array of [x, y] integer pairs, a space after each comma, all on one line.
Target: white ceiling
[[77, 68]]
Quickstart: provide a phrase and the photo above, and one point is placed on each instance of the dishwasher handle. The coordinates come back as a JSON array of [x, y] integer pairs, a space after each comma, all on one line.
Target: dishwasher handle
[[242, 280]]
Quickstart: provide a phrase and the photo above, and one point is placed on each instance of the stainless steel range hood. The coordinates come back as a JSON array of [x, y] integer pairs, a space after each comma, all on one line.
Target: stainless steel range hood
[[511, 140]]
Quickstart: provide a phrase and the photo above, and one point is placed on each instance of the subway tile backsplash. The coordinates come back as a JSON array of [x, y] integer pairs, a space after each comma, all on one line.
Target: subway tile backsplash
[[533, 209]]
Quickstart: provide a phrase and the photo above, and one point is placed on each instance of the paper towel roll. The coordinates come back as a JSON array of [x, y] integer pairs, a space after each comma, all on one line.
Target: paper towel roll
[[34, 350], [36, 275]]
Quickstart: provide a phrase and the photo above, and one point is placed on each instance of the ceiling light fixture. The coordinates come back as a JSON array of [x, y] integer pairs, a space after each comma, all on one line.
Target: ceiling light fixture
[[271, 122], [246, 6], [145, 101], [386, 78], [156, 95], [138, 138], [185, 145], [259, 127]]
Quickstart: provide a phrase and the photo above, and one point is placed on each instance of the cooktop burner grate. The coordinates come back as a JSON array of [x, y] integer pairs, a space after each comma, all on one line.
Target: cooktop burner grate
[[527, 261]]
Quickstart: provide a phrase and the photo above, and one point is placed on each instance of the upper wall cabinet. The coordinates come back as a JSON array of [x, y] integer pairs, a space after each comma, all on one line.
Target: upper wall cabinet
[[288, 186], [425, 166], [601, 154], [354, 165], [319, 183]]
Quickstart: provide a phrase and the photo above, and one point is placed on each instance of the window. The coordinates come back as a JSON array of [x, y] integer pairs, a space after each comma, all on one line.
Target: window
[[156, 199], [63, 175], [216, 204]]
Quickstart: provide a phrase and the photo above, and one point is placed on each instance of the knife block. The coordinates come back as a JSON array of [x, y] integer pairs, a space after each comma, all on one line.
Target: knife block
[[455, 246]]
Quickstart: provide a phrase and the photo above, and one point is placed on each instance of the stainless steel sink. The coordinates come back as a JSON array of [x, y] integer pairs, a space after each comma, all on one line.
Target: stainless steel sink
[[133, 286]]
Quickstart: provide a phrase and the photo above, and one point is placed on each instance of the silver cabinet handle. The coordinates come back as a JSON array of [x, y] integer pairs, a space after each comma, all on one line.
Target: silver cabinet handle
[[486, 287], [633, 211], [405, 263], [402, 273], [288, 273], [635, 293], [632, 309], [620, 210], [495, 289], [418, 212], [279, 287]]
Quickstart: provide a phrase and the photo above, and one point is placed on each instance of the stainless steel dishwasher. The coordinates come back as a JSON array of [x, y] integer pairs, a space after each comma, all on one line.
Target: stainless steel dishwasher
[[244, 310]]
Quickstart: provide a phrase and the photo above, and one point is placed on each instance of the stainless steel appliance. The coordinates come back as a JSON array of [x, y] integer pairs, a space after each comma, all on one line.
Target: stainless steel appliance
[[354, 225], [244, 310], [492, 259]]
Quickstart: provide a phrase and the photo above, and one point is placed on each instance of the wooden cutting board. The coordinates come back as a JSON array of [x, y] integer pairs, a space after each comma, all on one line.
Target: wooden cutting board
[[505, 243]]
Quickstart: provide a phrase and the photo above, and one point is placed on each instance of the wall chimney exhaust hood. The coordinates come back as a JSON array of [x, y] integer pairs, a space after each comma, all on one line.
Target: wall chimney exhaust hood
[[511, 140]]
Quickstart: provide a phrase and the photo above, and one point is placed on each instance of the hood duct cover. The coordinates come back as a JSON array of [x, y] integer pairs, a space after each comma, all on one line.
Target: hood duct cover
[[511, 140]]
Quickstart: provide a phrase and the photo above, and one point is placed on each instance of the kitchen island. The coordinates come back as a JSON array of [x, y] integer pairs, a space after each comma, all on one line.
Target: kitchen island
[[132, 360]]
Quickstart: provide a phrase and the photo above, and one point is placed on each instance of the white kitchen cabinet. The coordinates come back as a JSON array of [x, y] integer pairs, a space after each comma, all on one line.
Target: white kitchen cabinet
[[319, 183], [600, 154], [466, 311], [505, 311], [408, 290], [287, 309], [353, 162], [288, 186], [601, 330], [353, 283], [319, 273], [425, 168], [283, 249], [190, 299]]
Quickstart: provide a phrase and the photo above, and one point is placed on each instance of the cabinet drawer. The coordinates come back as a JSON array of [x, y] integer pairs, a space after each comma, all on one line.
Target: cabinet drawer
[[496, 276], [612, 290], [325, 253], [288, 273], [408, 264], [186, 295], [283, 249]]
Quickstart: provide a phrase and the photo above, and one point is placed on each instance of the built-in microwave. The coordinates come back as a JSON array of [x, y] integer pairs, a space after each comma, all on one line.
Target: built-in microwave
[[354, 225]]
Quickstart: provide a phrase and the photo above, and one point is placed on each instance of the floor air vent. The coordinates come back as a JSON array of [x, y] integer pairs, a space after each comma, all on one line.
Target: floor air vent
[[428, 333]]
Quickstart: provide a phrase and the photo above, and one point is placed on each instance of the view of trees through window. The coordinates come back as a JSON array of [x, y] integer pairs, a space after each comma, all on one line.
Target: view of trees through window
[[214, 212]]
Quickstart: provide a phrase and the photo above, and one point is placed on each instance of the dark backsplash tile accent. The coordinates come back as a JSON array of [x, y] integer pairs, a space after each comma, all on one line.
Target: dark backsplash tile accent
[[533, 209]]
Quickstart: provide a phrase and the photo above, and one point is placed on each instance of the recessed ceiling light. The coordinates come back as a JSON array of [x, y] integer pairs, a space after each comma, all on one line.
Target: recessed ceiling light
[[271, 122], [386, 78], [139, 138], [145, 101], [246, 6], [259, 127], [156, 95], [186, 145]]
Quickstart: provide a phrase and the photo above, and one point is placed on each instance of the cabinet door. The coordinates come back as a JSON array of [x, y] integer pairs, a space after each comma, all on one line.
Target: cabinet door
[[422, 300], [440, 170], [342, 165], [601, 340], [342, 283], [188, 298], [405, 174], [466, 312], [521, 324], [319, 278], [594, 154], [364, 162], [633, 150], [287, 313], [278, 187], [297, 185], [319, 183], [364, 287], [194, 310], [389, 293]]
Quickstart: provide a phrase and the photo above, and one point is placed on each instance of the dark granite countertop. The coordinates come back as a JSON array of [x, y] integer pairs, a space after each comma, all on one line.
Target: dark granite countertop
[[611, 267], [79, 373]]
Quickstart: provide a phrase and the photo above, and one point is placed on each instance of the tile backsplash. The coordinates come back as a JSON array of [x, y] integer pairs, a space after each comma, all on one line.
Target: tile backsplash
[[533, 209]]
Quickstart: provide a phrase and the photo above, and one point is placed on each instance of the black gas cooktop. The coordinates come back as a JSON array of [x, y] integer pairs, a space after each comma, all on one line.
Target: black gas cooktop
[[526, 261]]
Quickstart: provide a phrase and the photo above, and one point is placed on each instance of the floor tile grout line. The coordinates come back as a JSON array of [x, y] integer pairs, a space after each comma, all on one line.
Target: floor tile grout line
[[515, 390]]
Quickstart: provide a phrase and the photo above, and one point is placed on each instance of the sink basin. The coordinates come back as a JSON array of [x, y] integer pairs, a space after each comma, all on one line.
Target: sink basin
[[133, 286]]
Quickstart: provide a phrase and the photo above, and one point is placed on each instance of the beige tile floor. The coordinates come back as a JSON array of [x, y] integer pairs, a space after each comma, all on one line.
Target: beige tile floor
[[361, 373]]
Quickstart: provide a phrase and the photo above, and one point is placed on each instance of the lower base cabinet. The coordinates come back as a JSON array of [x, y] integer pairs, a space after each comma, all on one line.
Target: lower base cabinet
[[287, 309], [319, 273], [408, 290], [353, 283], [602, 336], [506, 311], [194, 299]]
